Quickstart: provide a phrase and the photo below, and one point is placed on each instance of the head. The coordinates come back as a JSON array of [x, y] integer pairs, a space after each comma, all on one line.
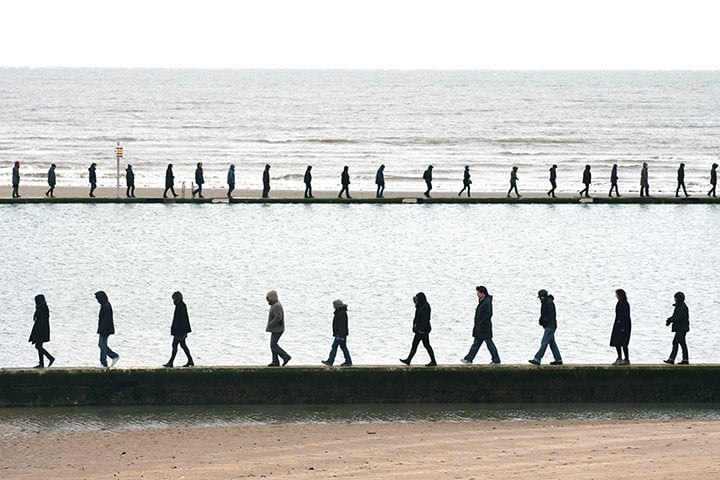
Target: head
[[309, 168], [200, 164], [345, 168], [337, 304], [101, 297], [682, 165], [267, 166], [430, 167], [645, 165], [169, 166], [420, 299], [40, 300], [542, 294], [129, 167], [177, 298], [467, 167], [621, 295], [614, 166], [587, 167], [271, 297], [382, 167], [515, 169], [714, 166], [232, 167], [93, 165], [52, 166], [481, 291], [554, 166], [679, 297], [17, 164]]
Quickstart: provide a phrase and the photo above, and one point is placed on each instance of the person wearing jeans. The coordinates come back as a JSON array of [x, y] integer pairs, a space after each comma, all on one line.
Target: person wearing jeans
[[548, 321], [106, 328], [680, 322], [276, 327], [482, 330], [340, 333]]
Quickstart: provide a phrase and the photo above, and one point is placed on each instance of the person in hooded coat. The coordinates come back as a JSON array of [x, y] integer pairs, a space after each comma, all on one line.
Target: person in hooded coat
[[179, 330], [466, 181], [680, 321], [513, 182], [613, 181], [421, 329], [266, 181], [620, 337], [644, 181], [169, 181], [380, 182], [41, 331], [106, 327], [553, 181], [548, 320], [681, 181], [586, 180], [427, 176], [51, 179], [92, 178], [482, 328], [340, 333], [345, 182], [276, 327], [713, 180], [16, 180], [130, 181], [231, 181], [307, 179], [199, 180]]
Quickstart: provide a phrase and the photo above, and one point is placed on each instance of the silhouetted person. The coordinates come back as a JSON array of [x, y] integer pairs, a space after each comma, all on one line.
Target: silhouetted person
[[713, 179], [179, 329], [307, 179], [587, 180], [482, 328], [427, 176], [41, 331], [620, 337], [644, 181], [266, 181], [513, 182], [680, 321], [92, 178], [613, 181], [51, 181], [380, 182], [548, 321], [199, 180], [466, 181], [106, 327], [276, 327], [169, 181], [345, 182], [553, 181], [421, 329], [16, 180], [231, 181], [130, 181], [340, 333], [681, 181]]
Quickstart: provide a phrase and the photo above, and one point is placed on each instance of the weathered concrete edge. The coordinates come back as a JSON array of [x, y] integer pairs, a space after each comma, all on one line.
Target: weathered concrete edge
[[311, 385]]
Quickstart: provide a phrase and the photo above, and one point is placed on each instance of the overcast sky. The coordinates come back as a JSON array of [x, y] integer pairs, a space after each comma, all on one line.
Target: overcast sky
[[447, 34]]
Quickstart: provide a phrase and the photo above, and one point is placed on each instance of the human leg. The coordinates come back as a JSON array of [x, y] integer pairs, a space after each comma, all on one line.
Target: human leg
[[494, 357], [346, 352], [473, 350], [102, 344], [276, 349], [333, 350], [413, 349], [426, 343], [548, 334]]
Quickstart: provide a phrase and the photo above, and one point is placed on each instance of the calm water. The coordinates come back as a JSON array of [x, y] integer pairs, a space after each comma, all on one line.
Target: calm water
[[404, 119], [224, 258]]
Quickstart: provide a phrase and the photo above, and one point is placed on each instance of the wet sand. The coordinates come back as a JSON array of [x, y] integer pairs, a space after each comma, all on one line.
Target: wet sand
[[686, 449]]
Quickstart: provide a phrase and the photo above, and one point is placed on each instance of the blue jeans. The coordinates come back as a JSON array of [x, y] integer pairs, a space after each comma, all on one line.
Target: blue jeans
[[105, 351], [342, 343], [476, 346], [548, 339]]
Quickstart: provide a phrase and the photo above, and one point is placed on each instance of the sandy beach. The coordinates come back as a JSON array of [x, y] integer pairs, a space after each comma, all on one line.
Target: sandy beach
[[468, 450]]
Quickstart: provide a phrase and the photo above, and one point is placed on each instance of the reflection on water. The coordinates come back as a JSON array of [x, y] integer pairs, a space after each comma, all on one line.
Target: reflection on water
[[25, 420]]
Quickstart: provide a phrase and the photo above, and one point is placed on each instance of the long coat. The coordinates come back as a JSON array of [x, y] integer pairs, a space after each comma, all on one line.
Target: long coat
[[130, 177], [713, 176], [620, 336], [51, 177], [41, 328], [199, 176], [92, 177], [613, 175], [644, 177], [483, 318], [340, 322], [181, 321], [680, 319], [16, 175], [421, 322], [169, 178]]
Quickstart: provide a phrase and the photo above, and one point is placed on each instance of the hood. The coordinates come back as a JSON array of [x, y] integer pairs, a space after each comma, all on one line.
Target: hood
[[420, 299], [40, 300], [487, 298], [101, 297], [338, 304]]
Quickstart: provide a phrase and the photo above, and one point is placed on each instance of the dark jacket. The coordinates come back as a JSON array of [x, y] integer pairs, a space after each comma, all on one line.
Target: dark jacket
[[681, 174], [307, 179], [181, 321], [231, 175], [620, 336], [466, 178], [513, 177], [553, 174], [199, 175], [380, 177], [130, 176], [483, 318], [713, 176], [547, 313], [16, 175], [644, 181], [680, 319], [587, 176], [613, 174], [340, 322], [421, 322], [427, 175], [51, 176], [41, 326], [345, 178], [266, 178], [169, 177], [105, 318], [92, 178]]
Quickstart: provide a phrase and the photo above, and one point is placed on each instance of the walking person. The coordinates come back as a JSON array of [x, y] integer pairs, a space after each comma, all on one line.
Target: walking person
[[620, 337], [179, 330], [41, 331], [548, 321], [345, 182], [513, 182], [340, 333], [231, 181], [92, 178], [553, 181], [16, 180], [613, 181], [266, 182], [276, 327], [199, 180], [169, 181], [466, 181], [644, 181], [308, 182], [713, 179], [680, 321], [421, 329], [427, 176], [380, 181], [130, 181], [482, 329], [106, 327], [51, 180], [681, 181], [587, 180]]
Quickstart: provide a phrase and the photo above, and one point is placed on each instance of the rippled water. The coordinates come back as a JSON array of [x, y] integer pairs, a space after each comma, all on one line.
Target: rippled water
[[224, 258]]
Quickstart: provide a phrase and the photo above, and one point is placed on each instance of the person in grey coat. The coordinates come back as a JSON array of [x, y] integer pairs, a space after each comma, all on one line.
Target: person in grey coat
[[482, 329], [130, 181], [51, 181], [340, 333], [231, 181], [680, 321], [41, 331], [613, 181], [644, 181], [276, 327], [16, 180], [380, 181], [548, 320], [681, 181], [106, 327]]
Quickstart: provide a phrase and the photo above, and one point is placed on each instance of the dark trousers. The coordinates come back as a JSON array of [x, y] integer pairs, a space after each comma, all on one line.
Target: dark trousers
[[645, 191], [172, 189], [42, 353], [425, 339], [308, 190], [130, 191], [346, 189], [180, 340], [266, 190], [681, 185], [513, 186], [551, 192], [712, 190], [429, 188], [585, 190], [16, 190], [198, 191], [50, 191], [231, 187], [93, 186], [380, 191], [614, 186], [495, 358], [105, 351], [465, 187], [276, 350], [679, 340]]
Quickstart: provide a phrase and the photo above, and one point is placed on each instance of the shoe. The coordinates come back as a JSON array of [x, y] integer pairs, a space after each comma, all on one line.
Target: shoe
[[285, 362], [431, 364], [193, 194], [494, 363], [168, 365], [175, 196], [201, 196], [39, 365], [164, 196], [618, 361], [556, 362], [669, 361], [46, 194], [684, 362], [273, 364], [625, 362], [114, 361], [327, 363], [346, 364], [92, 196], [465, 362], [534, 362], [103, 366], [52, 360], [189, 364], [406, 361]]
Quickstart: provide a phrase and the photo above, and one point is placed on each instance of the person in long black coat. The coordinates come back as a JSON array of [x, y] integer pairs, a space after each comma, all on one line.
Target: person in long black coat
[[307, 179], [179, 330], [553, 181], [482, 328], [681, 181], [713, 179], [466, 181], [340, 333], [41, 331], [427, 176], [266, 181], [199, 180], [613, 181], [130, 181], [16, 180], [92, 178], [421, 329], [51, 180], [106, 327], [345, 182], [169, 181], [680, 321], [587, 180], [620, 337]]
